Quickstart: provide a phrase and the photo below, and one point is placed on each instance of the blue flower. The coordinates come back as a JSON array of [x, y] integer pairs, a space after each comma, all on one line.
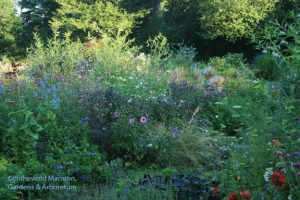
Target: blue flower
[[85, 120], [55, 102], [1, 89], [59, 167], [43, 84]]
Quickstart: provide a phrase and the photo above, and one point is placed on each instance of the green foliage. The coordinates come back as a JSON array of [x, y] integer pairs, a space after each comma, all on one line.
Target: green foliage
[[233, 20], [189, 146], [265, 66], [95, 18], [57, 57], [159, 48], [20, 135], [281, 40], [10, 25]]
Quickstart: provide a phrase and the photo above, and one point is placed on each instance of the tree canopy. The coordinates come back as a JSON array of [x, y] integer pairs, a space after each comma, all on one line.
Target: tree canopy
[[9, 25]]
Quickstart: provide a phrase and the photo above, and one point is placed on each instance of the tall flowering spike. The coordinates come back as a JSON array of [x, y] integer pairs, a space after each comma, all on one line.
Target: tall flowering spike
[[1, 88], [278, 180]]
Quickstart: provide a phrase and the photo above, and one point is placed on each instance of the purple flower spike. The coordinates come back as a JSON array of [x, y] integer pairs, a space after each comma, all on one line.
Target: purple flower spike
[[143, 119], [1, 89], [117, 114], [131, 121], [279, 153], [296, 164], [59, 167]]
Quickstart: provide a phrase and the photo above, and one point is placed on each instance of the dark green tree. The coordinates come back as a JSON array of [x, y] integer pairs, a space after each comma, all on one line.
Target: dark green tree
[[36, 15]]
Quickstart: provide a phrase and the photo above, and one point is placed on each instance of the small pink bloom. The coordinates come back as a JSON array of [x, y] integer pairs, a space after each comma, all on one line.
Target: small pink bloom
[[131, 121], [143, 119], [117, 114]]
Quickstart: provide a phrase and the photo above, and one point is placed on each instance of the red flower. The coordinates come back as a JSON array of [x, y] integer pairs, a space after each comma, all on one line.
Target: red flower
[[246, 195], [233, 196], [278, 180]]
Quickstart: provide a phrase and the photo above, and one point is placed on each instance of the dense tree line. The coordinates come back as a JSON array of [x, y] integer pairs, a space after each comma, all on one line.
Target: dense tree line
[[213, 26]]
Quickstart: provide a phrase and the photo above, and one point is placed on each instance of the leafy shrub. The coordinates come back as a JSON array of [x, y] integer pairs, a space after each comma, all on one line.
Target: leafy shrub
[[233, 21], [57, 57], [265, 67]]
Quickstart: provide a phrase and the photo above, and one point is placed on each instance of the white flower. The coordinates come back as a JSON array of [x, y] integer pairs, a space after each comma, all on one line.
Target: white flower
[[268, 174], [237, 107]]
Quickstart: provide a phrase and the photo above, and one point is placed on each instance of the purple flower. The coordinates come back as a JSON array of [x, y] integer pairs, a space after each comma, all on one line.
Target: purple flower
[[278, 153], [175, 132], [85, 120], [283, 171], [144, 119], [117, 114], [298, 174], [59, 167], [131, 121], [296, 164], [296, 153], [287, 156]]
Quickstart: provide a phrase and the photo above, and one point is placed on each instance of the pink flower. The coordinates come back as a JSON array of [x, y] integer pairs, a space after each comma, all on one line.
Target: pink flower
[[143, 119], [278, 153], [117, 114], [131, 121]]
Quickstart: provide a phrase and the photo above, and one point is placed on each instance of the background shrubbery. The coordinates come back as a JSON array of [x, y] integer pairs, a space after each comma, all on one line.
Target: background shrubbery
[[129, 106]]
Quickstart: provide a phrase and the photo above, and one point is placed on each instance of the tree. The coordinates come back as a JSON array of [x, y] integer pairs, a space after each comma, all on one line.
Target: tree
[[83, 18], [233, 19], [9, 26], [36, 15]]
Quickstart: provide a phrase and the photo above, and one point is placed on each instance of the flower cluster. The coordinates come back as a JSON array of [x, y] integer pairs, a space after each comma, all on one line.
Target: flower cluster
[[244, 195], [143, 119], [49, 93]]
